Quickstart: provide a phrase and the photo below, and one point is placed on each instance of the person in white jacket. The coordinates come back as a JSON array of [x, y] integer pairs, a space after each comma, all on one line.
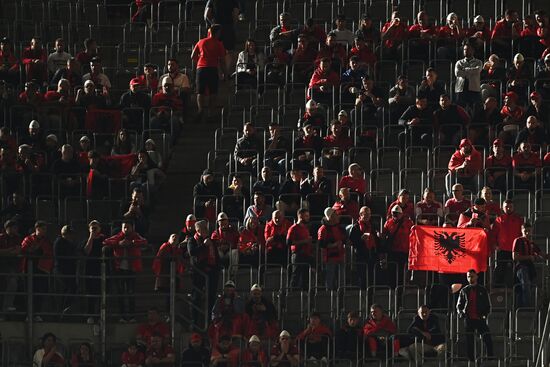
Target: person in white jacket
[[467, 72]]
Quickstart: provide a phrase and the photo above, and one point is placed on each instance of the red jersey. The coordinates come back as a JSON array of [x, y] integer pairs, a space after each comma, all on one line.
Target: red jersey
[[343, 142], [485, 33], [167, 252], [329, 235], [423, 207], [446, 32], [152, 84], [532, 160], [399, 233], [415, 31], [503, 30], [161, 99], [350, 207], [327, 78], [374, 327], [275, 236], [506, 229], [544, 39], [132, 251], [228, 236], [457, 207], [146, 331], [492, 161], [210, 51], [314, 335], [397, 36], [247, 240], [42, 248], [299, 232], [408, 209], [37, 54], [365, 55], [475, 163], [367, 227], [358, 185]]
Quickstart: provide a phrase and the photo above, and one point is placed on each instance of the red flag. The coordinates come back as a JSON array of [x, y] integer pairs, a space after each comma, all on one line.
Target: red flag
[[448, 250]]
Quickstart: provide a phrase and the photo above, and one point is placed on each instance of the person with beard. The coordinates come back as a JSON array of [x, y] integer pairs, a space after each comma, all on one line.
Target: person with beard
[[266, 183], [497, 165], [206, 193], [467, 72], [92, 249], [228, 316], [346, 205], [475, 217], [306, 148], [324, 82], [526, 165], [318, 183], [428, 211], [188, 231], [331, 238], [205, 264], [275, 239], [226, 239], [71, 72], [171, 250], [506, 228], [247, 148], [364, 237], [196, 354], [300, 242], [430, 339], [262, 315], [224, 354], [348, 338], [457, 204], [512, 117], [451, 120], [466, 165], [377, 331], [534, 133], [395, 237], [403, 200]]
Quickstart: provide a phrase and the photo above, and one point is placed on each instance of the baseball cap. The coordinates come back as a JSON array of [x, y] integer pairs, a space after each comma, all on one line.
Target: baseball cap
[[534, 94], [497, 142], [207, 172], [479, 19], [85, 138], [150, 141], [465, 142], [284, 333], [190, 217], [196, 337], [222, 216], [519, 57], [396, 209], [88, 82], [403, 192], [343, 113], [135, 81], [34, 125], [255, 287], [254, 338], [311, 104], [52, 137], [512, 95], [229, 284], [329, 212]]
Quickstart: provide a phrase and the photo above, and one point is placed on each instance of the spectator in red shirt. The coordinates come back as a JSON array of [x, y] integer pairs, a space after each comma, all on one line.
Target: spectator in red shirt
[[226, 239], [303, 59], [367, 58], [378, 331], [159, 353], [171, 250], [364, 237], [331, 238], [63, 94], [346, 205], [85, 56], [38, 247], [476, 216], [224, 353], [126, 250], [393, 34], [300, 242], [284, 352], [275, 239], [513, 117], [354, 180], [9, 64], [420, 34], [31, 95], [153, 326], [457, 204], [167, 108], [209, 54], [450, 37], [403, 200], [262, 315], [491, 207], [506, 229], [526, 165], [336, 144], [497, 166], [35, 59], [315, 339], [323, 82], [505, 31], [466, 164], [395, 235], [149, 78], [132, 357], [428, 211], [254, 355], [84, 356], [250, 242], [10, 248]]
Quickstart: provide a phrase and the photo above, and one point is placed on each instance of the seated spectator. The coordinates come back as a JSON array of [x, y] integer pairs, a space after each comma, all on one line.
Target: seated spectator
[[348, 338], [205, 193], [407, 206], [492, 73], [123, 143], [293, 185], [283, 33], [352, 79], [393, 34], [336, 145], [367, 58], [84, 356], [34, 137], [378, 331], [126, 250], [354, 180], [180, 81], [526, 165], [132, 356], [534, 133], [69, 167], [277, 149], [307, 148], [251, 241], [90, 97], [35, 60], [542, 79], [277, 65], [314, 115], [431, 88], [451, 120], [168, 108], [27, 161], [254, 355], [247, 148], [259, 209], [262, 315], [538, 109], [96, 75], [240, 197], [450, 37], [146, 173], [275, 239], [171, 250], [420, 34], [497, 165], [159, 353], [457, 204], [135, 97], [48, 354], [476, 216], [428, 211], [226, 239], [401, 96], [266, 183], [429, 337], [518, 78], [466, 164], [315, 339], [250, 65], [63, 95], [64, 251], [334, 51], [284, 352], [504, 32], [58, 58], [370, 99], [196, 354], [346, 205], [85, 56], [318, 183], [224, 353], [314, 33], [331, 238], [228, 314], [149, 79], [323, 83], [153, 153], [367, 30], [10, 248], [492, 208], [9, 64], [342, 35], [419, 120], [303, 59]]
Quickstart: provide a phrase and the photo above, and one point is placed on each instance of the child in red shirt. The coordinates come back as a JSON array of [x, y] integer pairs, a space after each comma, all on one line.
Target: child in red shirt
[[132, 357]]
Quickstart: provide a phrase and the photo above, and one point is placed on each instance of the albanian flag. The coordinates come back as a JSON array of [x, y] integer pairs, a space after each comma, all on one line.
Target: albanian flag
[[448, 250]]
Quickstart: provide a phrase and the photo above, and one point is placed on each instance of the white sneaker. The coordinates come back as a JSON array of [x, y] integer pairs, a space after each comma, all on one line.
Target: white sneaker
[[90, 320]]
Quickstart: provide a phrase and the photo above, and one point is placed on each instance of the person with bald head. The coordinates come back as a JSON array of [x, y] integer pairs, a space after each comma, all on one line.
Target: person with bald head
[[275, 239], [526, 164], [534, 133], [364, 237], [346, 205]]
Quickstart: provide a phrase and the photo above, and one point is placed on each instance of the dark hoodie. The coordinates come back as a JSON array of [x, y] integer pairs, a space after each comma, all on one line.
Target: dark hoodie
[[348, 340], [200, 355]]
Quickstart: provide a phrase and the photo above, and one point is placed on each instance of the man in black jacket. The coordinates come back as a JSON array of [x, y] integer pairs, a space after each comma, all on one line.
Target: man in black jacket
[[349, 337], [196, 355], [247, 148], [205, 193], [425, 328], [474, 306]]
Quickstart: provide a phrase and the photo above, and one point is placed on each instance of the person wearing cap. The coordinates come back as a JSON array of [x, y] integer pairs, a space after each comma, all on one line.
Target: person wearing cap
[[205, 194], [497, 166], [465, 164], [65, 252], [34, 137], [505, 31], [224, 353], [275, 239], [89, 98], [171, 250], [226, 239], [534, 133], [403, 200], [526, 166], [349, 337], [420, 34], [205, 270], [196, 354], [134, 98], [228, 316], [126, 250], [354, 180], [18, 208], [450, 120], [331, 238], [344, 120], [457, 204], [468, 84], [188, 229], [38, 248], [315, 338], [34, 59], [395, 238], [475, 217], [346, 204], [301, 247], [247, 148], [506, 228], [519, 77], [251, 242], [179, 80], [71, 72], [254, 355], [10, 248], [393, 34], [419, 120], [323, 82], [400, 97], [284, 353], [314, 115], [9, 64], [92, 249], [364, 237], [478, 34], [168, 108], [262, 315], [96, 75], [537, 108]]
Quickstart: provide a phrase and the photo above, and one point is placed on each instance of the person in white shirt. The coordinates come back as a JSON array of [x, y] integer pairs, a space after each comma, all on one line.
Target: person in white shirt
[[467, 72], [97, 76], [343, 35], [58, 58], [179, 80]]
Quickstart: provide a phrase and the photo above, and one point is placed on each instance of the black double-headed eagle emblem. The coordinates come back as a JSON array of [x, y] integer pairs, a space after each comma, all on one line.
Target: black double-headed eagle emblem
[[451, 246]]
